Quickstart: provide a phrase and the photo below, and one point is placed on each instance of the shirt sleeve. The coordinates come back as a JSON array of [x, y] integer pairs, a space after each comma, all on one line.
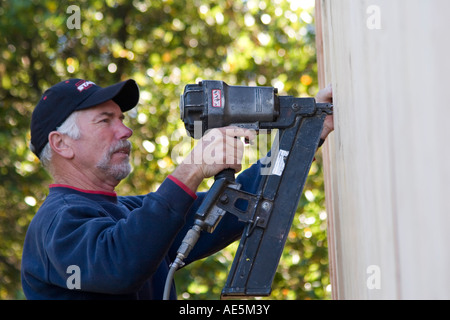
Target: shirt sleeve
[[115, 257], [183, 186], [229, 228]]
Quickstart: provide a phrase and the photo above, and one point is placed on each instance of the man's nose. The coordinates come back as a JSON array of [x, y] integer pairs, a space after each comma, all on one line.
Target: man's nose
[[124, 132]]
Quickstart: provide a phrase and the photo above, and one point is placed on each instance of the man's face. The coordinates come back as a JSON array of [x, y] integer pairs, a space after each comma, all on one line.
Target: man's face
[[103, 148]]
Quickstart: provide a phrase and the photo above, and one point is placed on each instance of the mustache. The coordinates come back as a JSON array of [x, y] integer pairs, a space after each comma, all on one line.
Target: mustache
[[121, 145]]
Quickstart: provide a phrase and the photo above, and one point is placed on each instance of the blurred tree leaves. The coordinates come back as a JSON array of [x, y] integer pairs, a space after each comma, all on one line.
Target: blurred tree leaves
[[163, 45]]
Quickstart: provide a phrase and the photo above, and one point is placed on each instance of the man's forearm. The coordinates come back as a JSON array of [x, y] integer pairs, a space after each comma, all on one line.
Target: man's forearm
[[189, 174]]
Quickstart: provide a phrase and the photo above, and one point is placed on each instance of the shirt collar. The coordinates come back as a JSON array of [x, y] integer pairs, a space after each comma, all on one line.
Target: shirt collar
[[104, 193]]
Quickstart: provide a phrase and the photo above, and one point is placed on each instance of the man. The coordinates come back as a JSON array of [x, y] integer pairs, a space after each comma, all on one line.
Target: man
[[85, 242]]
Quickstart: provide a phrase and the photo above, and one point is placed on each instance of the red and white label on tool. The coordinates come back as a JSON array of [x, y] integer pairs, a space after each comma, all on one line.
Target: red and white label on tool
[[280, 163], [217, 98]]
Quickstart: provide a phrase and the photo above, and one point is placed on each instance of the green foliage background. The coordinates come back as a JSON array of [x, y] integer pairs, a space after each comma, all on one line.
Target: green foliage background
[[163, 45]]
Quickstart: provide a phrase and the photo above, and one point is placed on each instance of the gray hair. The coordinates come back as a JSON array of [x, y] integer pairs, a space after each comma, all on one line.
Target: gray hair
[[70, 128]]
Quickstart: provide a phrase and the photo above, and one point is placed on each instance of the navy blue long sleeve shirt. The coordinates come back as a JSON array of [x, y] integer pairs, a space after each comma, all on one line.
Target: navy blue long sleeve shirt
[[122, 246]]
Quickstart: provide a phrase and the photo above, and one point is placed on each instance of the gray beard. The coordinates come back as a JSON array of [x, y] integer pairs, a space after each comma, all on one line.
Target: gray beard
[[117, 171]]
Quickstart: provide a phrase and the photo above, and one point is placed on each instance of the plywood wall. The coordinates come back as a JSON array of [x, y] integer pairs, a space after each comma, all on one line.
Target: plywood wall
[[388, 161]]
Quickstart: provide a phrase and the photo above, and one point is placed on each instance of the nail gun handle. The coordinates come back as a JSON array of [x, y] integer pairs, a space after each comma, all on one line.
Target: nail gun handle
[[228, 174]]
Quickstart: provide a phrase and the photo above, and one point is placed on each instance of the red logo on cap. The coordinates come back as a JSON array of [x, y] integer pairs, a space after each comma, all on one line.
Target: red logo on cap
[[83, 85]]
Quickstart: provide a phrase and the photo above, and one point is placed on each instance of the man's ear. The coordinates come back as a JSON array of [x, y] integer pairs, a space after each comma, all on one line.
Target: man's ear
[[60, 144]]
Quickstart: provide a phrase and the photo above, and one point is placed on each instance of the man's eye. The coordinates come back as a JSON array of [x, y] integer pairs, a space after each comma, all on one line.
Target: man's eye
[[105, 120]]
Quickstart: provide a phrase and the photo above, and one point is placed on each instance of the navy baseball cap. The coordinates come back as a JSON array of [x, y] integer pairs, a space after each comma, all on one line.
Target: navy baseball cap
[[59, 101]]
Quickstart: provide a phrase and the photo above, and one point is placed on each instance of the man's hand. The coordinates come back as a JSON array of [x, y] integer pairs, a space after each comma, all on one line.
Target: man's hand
[[219, 149], [326, 96]]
